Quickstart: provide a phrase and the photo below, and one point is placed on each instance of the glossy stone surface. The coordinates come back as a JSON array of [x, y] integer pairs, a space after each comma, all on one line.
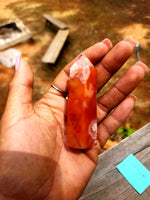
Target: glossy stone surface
[[81, 130]]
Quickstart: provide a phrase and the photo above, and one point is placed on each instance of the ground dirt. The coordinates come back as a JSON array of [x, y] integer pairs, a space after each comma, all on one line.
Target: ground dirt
[[89, 22]]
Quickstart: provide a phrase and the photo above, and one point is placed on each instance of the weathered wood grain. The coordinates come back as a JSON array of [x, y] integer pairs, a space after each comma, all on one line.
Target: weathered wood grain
[[107, 183], [55, 47], [55, 21]]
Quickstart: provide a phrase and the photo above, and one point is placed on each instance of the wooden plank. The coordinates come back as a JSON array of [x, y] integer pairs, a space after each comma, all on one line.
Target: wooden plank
[[55, 21], [55, 47], [107, 183]]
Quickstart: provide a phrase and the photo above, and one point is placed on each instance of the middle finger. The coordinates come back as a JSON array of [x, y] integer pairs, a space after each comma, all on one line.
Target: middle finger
[[113, 60]]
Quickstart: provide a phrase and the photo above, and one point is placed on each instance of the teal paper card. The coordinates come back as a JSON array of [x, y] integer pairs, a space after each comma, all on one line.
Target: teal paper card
[[135, 173]]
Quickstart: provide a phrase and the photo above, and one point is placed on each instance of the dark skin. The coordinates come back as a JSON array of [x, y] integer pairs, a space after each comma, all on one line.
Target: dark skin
[[35, 164]]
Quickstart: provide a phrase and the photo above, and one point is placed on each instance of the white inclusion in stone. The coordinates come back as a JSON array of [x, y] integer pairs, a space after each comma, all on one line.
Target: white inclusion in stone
[[80, 68], [93, 129], [85, 105]]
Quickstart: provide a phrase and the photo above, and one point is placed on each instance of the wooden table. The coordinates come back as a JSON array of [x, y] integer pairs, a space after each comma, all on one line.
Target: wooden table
[[107, 183]]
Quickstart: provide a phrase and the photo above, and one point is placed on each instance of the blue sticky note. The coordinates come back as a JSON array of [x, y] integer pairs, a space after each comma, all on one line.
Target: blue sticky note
[[135, 173]]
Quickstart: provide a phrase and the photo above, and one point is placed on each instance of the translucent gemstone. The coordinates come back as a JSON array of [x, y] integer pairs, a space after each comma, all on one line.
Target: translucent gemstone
[[81, 130]]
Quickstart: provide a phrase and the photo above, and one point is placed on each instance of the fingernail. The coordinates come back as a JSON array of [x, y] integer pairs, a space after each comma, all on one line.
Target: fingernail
[[17, 62], [140, 63], [133, 97], [130, 40], [107, 42]]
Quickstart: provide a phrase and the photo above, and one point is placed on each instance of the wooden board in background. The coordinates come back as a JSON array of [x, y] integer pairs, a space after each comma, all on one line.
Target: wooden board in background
[[107, 183], [55, 47]]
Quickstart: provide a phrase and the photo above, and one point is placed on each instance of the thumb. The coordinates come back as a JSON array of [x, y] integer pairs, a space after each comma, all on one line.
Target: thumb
[[19, 102]]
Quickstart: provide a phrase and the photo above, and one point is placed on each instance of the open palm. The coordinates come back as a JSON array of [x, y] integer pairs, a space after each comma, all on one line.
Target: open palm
[[35, 164]]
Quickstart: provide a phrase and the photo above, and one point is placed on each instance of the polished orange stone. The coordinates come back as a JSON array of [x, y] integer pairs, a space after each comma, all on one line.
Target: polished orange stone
[[81, 130]]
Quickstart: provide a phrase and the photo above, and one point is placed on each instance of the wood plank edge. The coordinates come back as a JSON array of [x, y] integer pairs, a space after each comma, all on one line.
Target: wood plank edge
[[64, 26]]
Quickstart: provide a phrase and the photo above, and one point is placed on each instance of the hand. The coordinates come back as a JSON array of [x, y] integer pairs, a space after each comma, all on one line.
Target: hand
[[34, 162]]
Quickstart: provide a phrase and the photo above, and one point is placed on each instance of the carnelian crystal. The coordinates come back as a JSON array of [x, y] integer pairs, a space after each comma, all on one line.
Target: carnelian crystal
[[81, 130]]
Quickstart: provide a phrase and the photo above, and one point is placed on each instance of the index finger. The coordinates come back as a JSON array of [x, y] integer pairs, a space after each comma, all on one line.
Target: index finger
[[94, 53]]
